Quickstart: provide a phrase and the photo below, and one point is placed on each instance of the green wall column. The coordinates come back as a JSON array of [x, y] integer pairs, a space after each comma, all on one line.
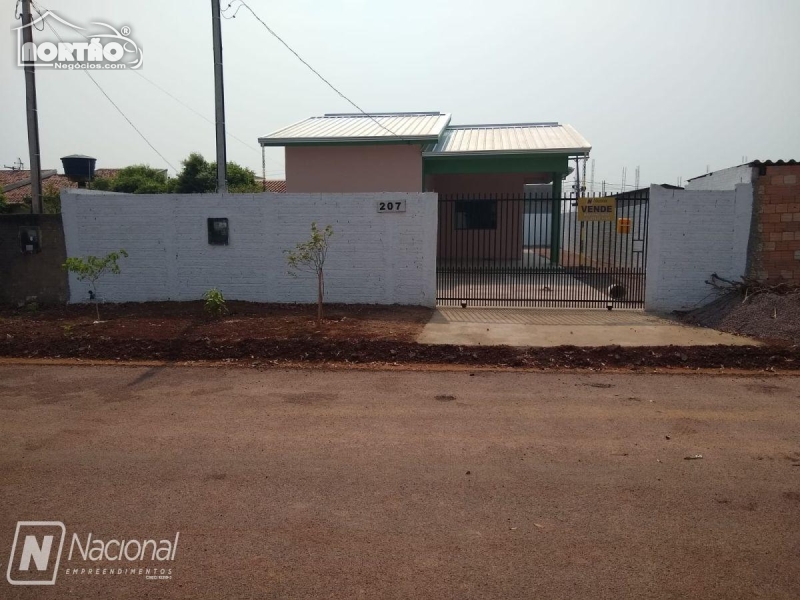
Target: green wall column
[[555, 221]]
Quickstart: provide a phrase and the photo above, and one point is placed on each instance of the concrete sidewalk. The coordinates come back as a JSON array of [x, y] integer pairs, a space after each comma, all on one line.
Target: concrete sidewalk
[[558, 327]]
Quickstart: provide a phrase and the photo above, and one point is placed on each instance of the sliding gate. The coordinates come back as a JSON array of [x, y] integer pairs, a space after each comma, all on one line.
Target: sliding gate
[[529, 250]]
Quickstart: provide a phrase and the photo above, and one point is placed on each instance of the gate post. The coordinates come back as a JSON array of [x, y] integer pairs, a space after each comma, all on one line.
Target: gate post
[[555, 222]]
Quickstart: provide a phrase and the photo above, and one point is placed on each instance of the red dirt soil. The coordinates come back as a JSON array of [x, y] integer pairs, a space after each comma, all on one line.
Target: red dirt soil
[[260, 333], [184, 320]]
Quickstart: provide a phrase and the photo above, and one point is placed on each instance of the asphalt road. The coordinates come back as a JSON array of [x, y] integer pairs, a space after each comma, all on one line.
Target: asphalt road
[[311, 484]]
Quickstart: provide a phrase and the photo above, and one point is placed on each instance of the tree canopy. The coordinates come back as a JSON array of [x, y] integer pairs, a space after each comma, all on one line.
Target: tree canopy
[[198, 176], [136, 179]]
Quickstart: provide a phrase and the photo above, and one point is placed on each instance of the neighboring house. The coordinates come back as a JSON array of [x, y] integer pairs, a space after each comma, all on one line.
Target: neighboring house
[[17, 183], [774, 252], [422, 151], [276, 186], [724, 179]]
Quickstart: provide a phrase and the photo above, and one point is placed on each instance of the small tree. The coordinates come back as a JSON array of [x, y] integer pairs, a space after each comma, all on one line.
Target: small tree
[[4, 207], [92, 268], [51, 199], [310, 256]]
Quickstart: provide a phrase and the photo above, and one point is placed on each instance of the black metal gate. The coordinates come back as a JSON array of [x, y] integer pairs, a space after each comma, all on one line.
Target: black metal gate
[[533, 250]]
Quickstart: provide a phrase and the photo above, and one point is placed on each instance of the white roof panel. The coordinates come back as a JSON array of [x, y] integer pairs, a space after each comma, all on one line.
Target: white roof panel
[[378, 127], [514, 138]]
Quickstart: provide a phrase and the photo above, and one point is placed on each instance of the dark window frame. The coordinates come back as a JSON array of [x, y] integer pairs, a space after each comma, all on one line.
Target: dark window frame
[[218, 236], [475, 215]]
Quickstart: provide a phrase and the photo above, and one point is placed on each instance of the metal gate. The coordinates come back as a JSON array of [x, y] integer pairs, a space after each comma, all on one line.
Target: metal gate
[[533, 250]]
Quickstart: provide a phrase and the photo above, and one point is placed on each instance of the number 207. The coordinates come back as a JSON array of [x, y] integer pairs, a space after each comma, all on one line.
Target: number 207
[[390, 206]]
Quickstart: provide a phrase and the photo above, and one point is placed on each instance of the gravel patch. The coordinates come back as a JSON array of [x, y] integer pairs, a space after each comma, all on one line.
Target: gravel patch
[[773, 317]]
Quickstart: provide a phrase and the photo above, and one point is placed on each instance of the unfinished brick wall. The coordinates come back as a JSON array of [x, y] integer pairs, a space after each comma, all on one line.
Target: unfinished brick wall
[[775, 255]]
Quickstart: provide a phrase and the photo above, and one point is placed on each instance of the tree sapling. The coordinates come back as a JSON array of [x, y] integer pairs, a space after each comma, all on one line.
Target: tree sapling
[[309, 256], [92, 268]]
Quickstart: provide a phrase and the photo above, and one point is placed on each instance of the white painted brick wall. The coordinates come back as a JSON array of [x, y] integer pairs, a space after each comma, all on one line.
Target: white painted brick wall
[[692, 234], [373, 258], [725, 179]]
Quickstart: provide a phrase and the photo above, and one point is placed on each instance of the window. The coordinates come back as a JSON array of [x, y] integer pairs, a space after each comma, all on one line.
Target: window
[[218, 232], [476, 214]]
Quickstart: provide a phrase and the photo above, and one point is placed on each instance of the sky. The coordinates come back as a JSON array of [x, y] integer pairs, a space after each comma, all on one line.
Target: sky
[[674, 87]]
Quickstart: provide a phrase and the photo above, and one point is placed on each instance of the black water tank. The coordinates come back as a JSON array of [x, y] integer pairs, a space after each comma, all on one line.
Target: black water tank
[[79, 168]]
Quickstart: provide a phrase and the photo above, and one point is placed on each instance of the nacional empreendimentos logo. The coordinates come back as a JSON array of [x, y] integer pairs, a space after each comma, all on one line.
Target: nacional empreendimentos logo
[[78, 48], [38, 552]]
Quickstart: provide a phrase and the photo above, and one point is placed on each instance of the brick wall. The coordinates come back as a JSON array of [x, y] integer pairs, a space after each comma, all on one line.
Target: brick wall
[[373, 258], [35, 277], [776, 252], [692, 234]]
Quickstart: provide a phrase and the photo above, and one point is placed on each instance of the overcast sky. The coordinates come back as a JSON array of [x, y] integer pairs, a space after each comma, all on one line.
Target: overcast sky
[[672, 86]]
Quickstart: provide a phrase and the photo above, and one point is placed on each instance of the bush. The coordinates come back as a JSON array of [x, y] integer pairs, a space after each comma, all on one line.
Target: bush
[[215, 303], [136, 179]]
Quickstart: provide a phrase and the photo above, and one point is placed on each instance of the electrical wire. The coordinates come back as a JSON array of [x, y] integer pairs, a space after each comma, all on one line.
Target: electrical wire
[[179, 101], [40, 15], [114, 104], [18, 15], [186, 106], [124, 116], [310, 68]]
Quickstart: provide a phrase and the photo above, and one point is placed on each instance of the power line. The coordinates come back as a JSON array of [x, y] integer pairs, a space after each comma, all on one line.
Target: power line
[[182, 103], [199, 114], [114, 104], [124, 116], [310, 68], [175, 98]]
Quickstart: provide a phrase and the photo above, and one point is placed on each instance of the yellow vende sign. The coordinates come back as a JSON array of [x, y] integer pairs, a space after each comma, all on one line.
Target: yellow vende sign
[[597, 209]]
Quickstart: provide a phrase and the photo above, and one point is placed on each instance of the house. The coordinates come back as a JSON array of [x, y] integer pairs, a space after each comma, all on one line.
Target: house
[[276, 186], [16, 184], [422, 151]]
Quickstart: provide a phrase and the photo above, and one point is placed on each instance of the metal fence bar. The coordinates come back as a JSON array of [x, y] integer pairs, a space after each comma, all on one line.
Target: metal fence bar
[[497, 250]]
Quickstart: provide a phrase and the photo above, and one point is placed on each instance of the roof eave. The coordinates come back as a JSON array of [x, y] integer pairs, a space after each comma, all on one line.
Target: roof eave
[[567, 151], [347, 140]]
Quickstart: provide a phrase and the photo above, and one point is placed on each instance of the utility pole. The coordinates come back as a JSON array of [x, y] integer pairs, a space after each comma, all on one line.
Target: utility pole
[[219, 100], [32, 112]]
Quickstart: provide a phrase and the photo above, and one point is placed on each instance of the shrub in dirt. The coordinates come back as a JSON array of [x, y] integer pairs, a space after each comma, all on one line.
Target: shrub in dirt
[[309, 256], [215, 303], [92, 269]]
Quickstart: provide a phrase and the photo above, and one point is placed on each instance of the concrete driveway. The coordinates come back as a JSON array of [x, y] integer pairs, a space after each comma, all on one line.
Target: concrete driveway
[[566, 326], [312, 484]]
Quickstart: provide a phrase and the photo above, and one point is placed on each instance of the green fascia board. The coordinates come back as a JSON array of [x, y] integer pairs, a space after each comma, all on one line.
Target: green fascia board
[[529, 163]]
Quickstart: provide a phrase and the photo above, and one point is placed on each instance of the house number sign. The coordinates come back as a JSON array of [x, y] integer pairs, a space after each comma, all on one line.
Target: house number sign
[[391, 206]]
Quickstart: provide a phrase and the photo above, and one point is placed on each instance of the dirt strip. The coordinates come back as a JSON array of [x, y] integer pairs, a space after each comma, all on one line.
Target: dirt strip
[[314, 350]]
